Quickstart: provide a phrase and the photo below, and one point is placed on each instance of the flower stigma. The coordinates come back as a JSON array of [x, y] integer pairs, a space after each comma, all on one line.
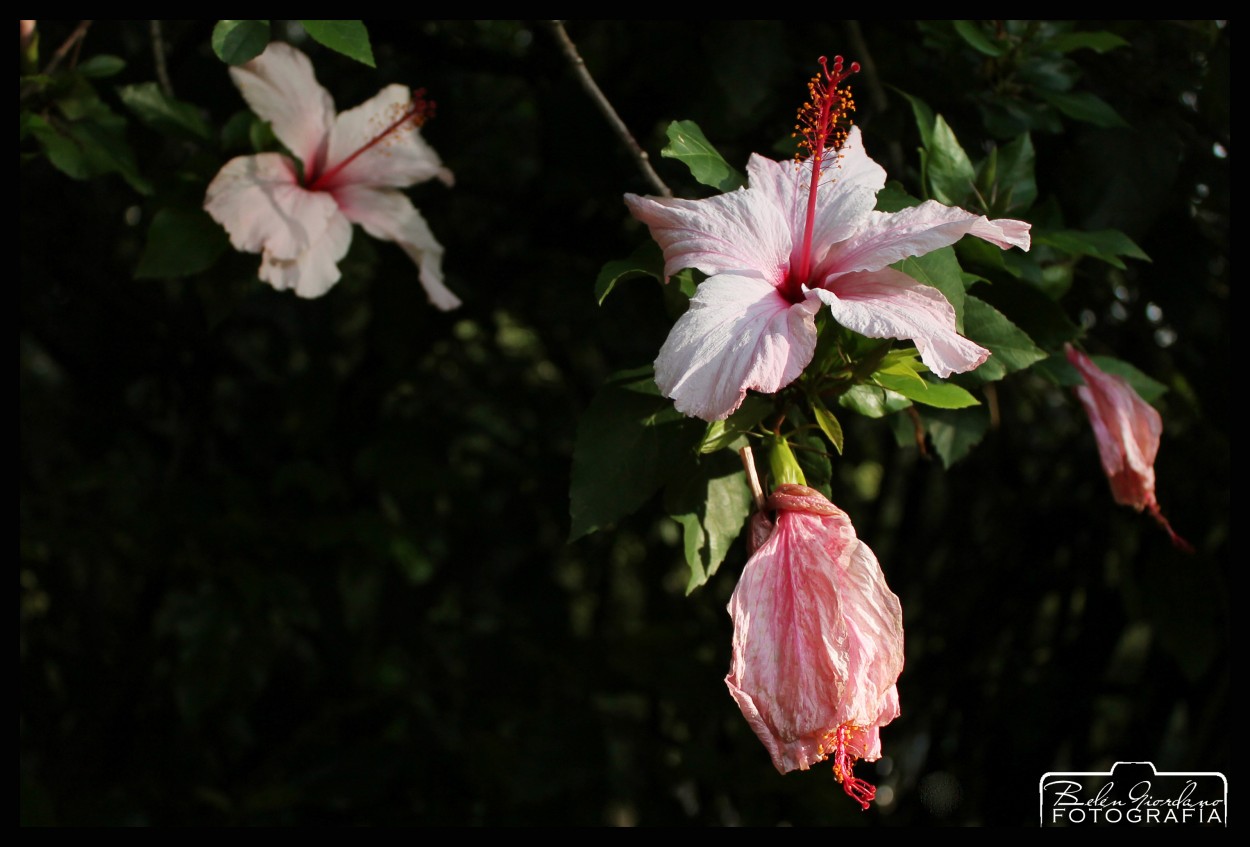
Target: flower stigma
[[823, 123], [836, 744]]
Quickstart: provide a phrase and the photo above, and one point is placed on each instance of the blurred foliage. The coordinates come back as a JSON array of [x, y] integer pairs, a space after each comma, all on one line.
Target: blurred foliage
[[293, 562]]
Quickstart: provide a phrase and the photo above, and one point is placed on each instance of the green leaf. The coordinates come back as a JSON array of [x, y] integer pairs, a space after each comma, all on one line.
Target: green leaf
[[1011, 349], [1015, 186], [102, 66], [1058, 369], [893, 198], [347, 37], [163, 113], [976, 38], [688, 144], [782, 464], [943, 395], [1106, 244], [828, 424], [236, 42], [711, 500], [1036, 314], [180, 242], [90, 142], [629, 441], [925, 119], [940, 269], [813, 456], [726, 434], [1099, 42], [647, 260], [949, 170], [954, 432], [1084, 106], [872, 401]]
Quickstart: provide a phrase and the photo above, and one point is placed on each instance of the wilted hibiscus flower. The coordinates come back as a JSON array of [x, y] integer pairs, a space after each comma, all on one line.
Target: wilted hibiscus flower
[[801, 235], [1127, 430], [818, 641], [354, 164]]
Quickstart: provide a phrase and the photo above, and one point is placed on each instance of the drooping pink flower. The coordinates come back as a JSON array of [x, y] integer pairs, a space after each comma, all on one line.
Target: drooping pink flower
[[1127, 431], [354, 164], [818, 641], [799, 235]]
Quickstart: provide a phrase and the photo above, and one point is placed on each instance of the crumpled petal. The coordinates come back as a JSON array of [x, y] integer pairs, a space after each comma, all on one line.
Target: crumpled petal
[[280, 87], [890, 304], [313, 272], [738, 334], [389, 215], [818, 642], [400, 159], [887, 237], [263, 208], [737, 232]]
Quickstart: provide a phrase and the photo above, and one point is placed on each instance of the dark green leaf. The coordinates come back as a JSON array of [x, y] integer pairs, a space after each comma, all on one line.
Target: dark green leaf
[[688, 144], [1106, 244], [941, 270], [236, 42], [1010, 347], [1061, 371], [102, 66], [949, 170], [1099, 42], [893, 197], [725, 434], [976, 38], [647, 260], [711, 500], [925, 119], [180, 242], [954, 432], [347, 37], [1036, 314], [163, 113], [872, 401], [1084, 106], [1015, 186], [943, 395], [812, 453], [629, 441]]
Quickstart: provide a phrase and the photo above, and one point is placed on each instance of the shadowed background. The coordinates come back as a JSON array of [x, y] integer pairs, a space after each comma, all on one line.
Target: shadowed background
[[296, 562]]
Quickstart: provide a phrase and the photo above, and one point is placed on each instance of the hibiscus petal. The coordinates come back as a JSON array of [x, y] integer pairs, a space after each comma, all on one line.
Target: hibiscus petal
[[263, 208], [818, 641], [389, 215], [314, 271], [887, 237], [890, 304], [844, 199], [398, 157], [738, 334], [737, 232], [280, 87]]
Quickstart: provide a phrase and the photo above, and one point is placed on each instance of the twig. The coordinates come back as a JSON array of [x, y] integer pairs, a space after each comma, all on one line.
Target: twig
[[596, 94], [753, 476], [75, 37], [158, 56]]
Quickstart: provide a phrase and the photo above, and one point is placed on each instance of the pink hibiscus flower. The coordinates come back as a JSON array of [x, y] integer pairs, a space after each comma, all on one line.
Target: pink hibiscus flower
[[354, 164], [803, 234], [1127, 430], [818, 641]]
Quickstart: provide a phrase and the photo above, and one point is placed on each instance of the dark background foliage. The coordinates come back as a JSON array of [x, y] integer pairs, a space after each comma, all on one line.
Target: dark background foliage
[[293, 562]]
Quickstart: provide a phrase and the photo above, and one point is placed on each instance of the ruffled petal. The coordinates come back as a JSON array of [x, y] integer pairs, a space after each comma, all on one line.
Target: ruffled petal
[[263, 208], [738, 232], [280, 87], [818, 642], [314, 271], [846, 195], [738, 334], [389, 215], [890, 304], [391, 149], [887, 237]]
